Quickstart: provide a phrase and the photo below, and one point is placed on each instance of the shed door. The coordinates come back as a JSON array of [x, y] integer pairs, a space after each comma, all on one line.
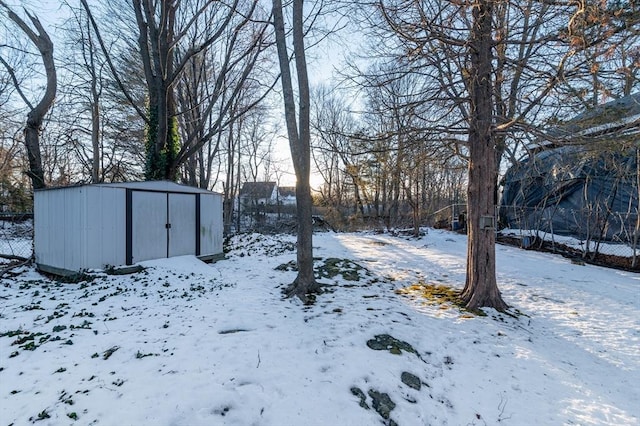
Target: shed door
[[182, 220], [160, 225], [148, 225]]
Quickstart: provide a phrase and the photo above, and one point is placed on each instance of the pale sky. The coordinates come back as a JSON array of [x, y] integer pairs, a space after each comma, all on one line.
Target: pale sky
[[322, 59]]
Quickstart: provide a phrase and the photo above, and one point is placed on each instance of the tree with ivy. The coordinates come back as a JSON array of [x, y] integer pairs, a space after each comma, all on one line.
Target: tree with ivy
[[170, 36]]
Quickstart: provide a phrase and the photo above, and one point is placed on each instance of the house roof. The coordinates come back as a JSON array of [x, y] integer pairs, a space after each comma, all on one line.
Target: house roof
[[557, 181], [257, 190], [616, 118], [287, 191]]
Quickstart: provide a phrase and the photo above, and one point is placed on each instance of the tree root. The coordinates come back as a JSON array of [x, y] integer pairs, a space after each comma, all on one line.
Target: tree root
[[306, 293], [474, 302]]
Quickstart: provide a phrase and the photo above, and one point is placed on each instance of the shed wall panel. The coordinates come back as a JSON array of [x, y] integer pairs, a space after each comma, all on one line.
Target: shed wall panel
[[73, 216], [43, 231], [105, 229], [57, 228], [48, 230], [210, 224], [118, 227]]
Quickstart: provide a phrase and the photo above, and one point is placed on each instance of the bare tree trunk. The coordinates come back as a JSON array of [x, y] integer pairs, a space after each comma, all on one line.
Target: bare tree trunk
[[95, 129], [230, 193], [32, 143], [36, 114], [636, 231], [481, 289], [299, 143]]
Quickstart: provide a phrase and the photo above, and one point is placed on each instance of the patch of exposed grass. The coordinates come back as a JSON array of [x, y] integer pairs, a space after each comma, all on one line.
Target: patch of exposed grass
[[254, 244], [434, 294], [41, 416], [289, 266], [107, 354], [85, 324], [27, 341], [76, 278], [13, 333], [330, 268], [140, 355], [440, 295]]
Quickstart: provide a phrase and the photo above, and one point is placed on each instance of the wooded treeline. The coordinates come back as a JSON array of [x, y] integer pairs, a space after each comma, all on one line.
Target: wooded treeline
[[187, 91], [549, 61], [145, 90], [433, 101]]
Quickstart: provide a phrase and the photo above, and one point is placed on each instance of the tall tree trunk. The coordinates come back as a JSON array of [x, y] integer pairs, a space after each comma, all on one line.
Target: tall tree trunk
[[95, 130], [32, 143], [298, 131], [156, 42], [481, 289], [636, 231], [230, 185], [36, 114]]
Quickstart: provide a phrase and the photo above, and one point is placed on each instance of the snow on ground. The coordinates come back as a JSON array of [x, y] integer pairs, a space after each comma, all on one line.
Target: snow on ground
[[621, 249], [184, 343], [15, 239]]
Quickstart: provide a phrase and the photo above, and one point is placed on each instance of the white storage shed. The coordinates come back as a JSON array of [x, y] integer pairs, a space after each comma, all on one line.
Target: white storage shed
[[101, 225]]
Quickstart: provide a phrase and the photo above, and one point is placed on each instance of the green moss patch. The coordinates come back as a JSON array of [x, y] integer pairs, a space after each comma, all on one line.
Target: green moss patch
[[385, 342], [331, 268], [348, 269]]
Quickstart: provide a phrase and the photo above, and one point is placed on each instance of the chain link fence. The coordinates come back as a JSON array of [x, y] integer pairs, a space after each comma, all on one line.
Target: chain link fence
[[270, 218], [273, 219], [605, 238], [598, 236], [16, 237]]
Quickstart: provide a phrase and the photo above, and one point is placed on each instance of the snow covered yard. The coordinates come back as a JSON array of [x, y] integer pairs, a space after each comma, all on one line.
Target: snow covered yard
[[184, 343]]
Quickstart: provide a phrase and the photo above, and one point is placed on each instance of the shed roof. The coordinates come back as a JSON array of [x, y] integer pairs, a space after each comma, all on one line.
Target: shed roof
[[155, 185]]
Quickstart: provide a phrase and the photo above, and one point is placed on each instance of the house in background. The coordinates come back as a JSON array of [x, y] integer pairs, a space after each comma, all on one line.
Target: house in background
[[255, 194], [569, 186], [258, 193], [287, 195]]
